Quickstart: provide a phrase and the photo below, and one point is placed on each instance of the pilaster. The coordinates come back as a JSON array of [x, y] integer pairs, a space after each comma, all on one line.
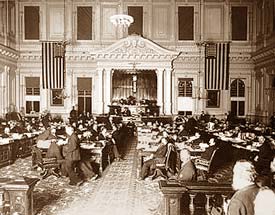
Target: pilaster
[[18, 94], [160, 90], [99, 92], [167, 91], [107, 89]]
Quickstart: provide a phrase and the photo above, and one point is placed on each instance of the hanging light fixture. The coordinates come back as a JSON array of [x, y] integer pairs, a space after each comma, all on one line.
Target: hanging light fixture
[[121, 20]]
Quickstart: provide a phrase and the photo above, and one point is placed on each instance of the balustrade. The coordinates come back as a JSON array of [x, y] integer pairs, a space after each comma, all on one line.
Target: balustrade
[[196, 193], [16, 196]]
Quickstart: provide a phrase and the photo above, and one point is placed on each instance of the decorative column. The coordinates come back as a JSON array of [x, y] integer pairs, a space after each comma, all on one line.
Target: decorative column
[[7, 86], [22, 89], [43, 20], [98, 92], [2, 107], [252, 95], [160, 90], [17, 87], [107, 89], [68, 22], [68, 91], [167, 91], [96, 32], [172, 203]]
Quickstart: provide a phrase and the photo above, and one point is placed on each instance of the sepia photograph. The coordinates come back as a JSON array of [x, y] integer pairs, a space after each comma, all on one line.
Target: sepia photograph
[[137, 107]]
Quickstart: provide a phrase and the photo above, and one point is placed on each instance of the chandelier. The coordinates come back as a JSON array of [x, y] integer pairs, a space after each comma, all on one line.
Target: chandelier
[[121, 20]]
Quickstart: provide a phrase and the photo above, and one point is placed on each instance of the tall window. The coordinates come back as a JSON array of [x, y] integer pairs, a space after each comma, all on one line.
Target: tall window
[[31, 22], [213, 99], [84, 23], [237, 93], [239, 23], [186, 23], [137, 26], [32, 94], [185, 87], [84, 89]]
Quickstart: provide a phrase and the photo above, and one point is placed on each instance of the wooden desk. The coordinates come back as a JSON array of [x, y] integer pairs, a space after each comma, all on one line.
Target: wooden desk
[[11, 149], [99, 155], [6, 153]]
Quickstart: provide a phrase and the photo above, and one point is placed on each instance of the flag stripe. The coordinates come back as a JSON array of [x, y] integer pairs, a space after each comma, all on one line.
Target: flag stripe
[[217, 67], [227, 65], [52, 66]]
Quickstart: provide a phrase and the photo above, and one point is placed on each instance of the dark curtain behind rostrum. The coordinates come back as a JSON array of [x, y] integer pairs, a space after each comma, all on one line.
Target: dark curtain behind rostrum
[[146, 84]]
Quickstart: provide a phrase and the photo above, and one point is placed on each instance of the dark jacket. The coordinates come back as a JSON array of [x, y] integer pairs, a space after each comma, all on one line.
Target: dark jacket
[[188, 172], [242, 202], [161, 151], [72, 149], [46, 135]]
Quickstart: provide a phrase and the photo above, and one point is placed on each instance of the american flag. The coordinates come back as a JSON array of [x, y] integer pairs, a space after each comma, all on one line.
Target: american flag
[[53, 61], [217, 66]]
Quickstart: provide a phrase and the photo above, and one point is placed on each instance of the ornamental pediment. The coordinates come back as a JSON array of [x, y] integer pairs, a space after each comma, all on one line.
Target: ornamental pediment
[[136, 47]]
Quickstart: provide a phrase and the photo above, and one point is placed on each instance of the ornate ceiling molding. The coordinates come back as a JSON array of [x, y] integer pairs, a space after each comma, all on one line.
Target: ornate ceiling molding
[[263, 55], [8, 53], [135, 48]]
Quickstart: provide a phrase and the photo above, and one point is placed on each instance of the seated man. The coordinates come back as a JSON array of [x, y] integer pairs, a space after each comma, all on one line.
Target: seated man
[[157, 157], [47, 140], [188, 169], [265, 155], [110, 143], [7, 133]]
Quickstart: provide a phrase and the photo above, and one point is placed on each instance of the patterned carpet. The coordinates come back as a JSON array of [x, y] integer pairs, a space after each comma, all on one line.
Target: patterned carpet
[[117, 192]]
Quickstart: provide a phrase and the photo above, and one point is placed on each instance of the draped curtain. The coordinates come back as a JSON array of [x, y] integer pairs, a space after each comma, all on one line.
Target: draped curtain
[[123, 81]]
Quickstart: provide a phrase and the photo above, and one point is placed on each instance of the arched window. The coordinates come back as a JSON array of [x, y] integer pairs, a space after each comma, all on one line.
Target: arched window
[[237, 93], [237, 88]]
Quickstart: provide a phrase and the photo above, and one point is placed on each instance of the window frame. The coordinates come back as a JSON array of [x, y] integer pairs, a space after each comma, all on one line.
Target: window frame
[[247, 23], [54, 103], [178, 20], [218, 99], [185, 92], [76, 23], [24, 24], [142, 6], [32, 106], [238, 99]]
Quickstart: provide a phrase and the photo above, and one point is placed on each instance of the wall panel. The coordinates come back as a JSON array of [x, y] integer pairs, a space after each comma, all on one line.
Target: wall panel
[[161, 22], [108, 31], [56, 23], [213, 23]]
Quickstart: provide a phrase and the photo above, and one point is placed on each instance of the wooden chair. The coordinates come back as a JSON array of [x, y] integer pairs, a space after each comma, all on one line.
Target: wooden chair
[[163, 168], [49, 166], [203, 163]]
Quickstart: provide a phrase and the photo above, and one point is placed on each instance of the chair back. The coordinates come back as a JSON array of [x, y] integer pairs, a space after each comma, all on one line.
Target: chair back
[[205, 163]]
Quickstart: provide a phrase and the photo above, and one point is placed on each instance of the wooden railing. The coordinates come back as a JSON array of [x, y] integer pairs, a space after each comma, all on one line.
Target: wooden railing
[[16, 195], [181, 198]]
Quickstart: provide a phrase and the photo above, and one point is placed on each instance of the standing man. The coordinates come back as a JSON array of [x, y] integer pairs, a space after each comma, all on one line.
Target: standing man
[[72, 156], [73, 115], [242, 202]]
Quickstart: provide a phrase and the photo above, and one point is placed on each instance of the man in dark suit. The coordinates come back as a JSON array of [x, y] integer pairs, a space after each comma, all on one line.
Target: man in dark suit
[[110, 143], [72, 156], [157, 157], [242, 202], [187, 171]]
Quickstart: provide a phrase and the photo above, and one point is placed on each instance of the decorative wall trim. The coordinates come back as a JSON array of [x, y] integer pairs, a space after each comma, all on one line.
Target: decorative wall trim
[[135, 48]]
